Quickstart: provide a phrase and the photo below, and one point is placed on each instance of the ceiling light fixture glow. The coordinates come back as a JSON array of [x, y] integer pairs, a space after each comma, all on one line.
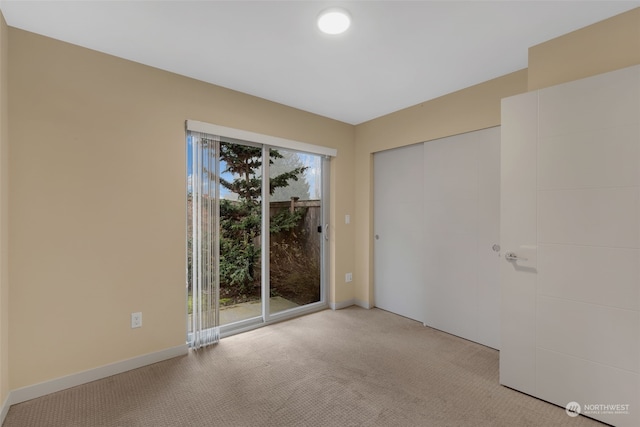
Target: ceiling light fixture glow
[[334, 21]]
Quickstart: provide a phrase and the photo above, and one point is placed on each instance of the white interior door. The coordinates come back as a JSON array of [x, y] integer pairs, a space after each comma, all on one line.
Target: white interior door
[[398, 224], [570, 213]]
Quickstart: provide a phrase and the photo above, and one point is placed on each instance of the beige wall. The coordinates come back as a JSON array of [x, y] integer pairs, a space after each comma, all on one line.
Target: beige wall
[[4, 212], [97, 201], [604, 46]]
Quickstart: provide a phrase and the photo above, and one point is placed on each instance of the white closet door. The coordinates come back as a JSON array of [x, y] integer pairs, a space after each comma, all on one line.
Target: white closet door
[[436, 221], [571, 212], [488, 250], [461, 267], [398, 227]]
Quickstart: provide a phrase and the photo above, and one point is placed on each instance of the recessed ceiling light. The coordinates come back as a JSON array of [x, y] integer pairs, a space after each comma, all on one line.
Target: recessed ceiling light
[[334, 21]]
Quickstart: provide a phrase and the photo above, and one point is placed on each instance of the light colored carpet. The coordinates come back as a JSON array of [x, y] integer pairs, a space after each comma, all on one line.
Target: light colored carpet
[[352, 367]]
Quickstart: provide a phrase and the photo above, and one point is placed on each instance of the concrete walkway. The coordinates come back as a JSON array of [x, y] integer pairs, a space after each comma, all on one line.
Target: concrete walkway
[[247, 310]]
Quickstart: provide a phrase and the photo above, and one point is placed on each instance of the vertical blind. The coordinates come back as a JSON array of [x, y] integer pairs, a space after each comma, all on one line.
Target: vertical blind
[[203, 247]]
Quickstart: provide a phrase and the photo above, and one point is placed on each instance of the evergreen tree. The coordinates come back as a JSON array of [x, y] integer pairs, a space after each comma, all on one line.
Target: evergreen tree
[[240, 220]]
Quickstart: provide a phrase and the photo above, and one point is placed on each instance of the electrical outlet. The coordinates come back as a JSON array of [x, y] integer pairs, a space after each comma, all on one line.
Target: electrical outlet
[[348, 277], [347, 219], [136, 320]]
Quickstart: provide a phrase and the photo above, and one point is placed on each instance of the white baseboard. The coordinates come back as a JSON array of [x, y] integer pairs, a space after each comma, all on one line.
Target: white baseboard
[[363, 304], [4, 409], [349, 303], [342, 304], [37, 390]]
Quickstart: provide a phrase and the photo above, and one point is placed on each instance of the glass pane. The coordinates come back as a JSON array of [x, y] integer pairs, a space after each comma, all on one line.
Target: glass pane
[[240, 226], [295, 213]]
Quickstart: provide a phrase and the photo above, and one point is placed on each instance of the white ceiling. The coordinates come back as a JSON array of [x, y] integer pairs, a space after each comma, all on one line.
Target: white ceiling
[[396, 54]]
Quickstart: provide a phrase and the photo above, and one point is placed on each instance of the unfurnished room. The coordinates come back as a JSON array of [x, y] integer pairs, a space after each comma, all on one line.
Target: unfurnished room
[[319, 213]]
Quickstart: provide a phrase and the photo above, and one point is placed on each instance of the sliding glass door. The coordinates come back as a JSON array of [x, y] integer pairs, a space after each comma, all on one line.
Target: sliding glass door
[[255, 246], [295, 243]]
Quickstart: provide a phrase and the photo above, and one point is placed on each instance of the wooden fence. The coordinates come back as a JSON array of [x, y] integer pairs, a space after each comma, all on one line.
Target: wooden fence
[[311, 221]]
